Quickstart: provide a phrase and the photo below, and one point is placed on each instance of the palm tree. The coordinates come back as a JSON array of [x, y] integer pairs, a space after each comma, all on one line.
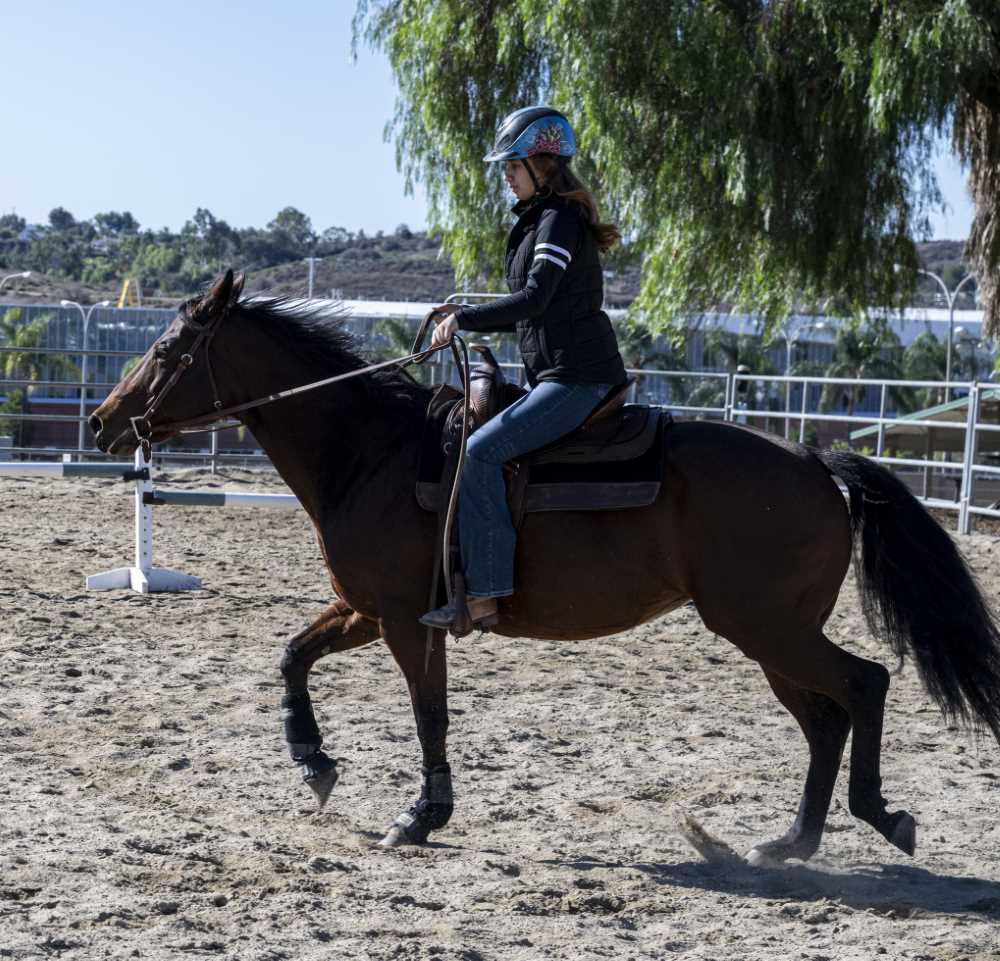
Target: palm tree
[[867, 351], [24, 363], [924, 359], [729, 351], [726, 349]]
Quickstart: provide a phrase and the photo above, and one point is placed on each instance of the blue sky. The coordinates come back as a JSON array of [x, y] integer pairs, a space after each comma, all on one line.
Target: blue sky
[[241, 108]]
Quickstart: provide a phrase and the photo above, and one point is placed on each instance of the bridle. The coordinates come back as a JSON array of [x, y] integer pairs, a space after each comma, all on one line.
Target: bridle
[[204, 334], [143, 428]]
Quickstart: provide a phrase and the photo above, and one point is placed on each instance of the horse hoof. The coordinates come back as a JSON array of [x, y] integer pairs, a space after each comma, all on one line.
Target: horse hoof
[[321, 784], [904, 834], [394, 838], [761, 859]]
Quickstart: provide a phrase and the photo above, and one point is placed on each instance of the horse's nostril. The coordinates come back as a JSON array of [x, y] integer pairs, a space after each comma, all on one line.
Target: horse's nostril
[[95, 423]]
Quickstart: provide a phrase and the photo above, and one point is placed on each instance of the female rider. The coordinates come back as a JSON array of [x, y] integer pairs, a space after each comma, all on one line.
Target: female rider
[[568, 346]]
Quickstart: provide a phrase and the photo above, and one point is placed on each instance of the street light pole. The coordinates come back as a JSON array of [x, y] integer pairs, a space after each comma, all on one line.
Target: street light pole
[[950, 298], [312, 275], [85, 314], [23, 273]]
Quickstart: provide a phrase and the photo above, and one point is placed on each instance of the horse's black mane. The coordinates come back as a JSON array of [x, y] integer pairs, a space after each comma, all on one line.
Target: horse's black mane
[[319, 333]]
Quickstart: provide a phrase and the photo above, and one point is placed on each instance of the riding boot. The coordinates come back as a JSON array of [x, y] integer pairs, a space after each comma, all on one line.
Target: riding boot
[[482, 614]]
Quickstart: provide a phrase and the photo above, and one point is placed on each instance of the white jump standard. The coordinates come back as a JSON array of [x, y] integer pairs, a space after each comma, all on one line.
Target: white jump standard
[[143, 576]]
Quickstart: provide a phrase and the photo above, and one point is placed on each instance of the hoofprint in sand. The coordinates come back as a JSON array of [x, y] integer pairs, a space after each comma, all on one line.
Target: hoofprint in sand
[[148, 807]]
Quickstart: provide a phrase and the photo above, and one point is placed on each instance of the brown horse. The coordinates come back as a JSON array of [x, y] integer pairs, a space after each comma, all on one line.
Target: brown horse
[[349, 452]]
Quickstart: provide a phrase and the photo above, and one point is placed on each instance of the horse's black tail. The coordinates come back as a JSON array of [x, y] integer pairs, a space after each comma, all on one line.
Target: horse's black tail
[[918, 593]]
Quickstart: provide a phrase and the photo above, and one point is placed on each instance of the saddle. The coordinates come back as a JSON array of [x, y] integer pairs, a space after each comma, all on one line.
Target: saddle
[[490, 392], [613, 461]]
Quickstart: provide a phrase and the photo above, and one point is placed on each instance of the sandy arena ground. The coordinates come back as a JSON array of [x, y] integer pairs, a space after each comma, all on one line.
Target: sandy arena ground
[[148, 808]]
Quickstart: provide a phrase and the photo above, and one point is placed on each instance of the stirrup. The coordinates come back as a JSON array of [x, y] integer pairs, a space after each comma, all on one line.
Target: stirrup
[[453, 618]]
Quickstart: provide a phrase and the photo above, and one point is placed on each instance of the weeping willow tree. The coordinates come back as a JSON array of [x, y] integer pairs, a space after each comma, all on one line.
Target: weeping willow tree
[[760, 154], [977, 139]]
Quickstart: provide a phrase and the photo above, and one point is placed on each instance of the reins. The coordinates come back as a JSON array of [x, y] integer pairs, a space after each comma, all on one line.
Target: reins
[[143, 429]]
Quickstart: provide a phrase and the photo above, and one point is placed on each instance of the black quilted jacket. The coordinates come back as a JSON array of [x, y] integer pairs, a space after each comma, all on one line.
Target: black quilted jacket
[[557, 288]]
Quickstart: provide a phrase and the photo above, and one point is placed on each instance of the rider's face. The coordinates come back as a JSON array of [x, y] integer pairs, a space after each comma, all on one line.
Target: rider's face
[[518, 179]]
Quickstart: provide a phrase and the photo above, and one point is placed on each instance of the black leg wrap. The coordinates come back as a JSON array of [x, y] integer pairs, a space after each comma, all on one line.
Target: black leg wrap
[[316, 764], [433, 810], [301, 730]]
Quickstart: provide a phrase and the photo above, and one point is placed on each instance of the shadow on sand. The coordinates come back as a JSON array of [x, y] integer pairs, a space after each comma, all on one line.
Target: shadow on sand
[[891, 889]]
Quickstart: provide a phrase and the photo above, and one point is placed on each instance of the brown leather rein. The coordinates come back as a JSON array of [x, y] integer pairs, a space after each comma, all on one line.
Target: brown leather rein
[[205, 332]]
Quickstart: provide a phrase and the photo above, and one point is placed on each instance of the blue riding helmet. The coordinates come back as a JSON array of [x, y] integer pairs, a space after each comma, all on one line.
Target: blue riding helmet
[[533, 130]]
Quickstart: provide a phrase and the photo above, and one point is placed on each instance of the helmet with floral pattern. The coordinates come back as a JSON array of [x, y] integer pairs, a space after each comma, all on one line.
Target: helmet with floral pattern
[[530, 131]]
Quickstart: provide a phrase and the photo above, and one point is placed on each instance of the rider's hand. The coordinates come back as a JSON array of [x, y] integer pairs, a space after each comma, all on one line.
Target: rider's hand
[[444, 331]]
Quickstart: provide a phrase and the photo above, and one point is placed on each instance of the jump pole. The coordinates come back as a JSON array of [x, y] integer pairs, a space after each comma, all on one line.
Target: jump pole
[[162, 498], [60, 469]]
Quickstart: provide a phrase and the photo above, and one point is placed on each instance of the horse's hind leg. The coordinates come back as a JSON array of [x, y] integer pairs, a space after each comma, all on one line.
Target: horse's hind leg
[[865, 790], [825, 725], [859, 687], [338, 628], [427, 680]]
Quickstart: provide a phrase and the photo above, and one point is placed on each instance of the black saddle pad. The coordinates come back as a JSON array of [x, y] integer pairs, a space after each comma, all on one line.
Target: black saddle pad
[[620, 465]]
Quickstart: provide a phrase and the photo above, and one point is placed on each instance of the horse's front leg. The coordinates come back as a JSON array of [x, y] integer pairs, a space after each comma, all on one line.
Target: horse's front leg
[[427, 679], [338, 628]]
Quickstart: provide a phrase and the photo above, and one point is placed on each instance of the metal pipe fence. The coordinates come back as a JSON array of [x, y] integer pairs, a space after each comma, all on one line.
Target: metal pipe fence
[[971, 425], [731, 387]]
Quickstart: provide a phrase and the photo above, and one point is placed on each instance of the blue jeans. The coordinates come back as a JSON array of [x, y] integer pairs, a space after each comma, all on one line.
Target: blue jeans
[[485, 529]]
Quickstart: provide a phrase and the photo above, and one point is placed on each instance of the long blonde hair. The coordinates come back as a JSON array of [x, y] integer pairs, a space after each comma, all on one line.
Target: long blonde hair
[[554, 174]]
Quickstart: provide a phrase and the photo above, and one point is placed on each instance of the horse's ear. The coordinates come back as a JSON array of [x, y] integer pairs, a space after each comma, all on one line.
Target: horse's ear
[[219, 296], [238, 283]]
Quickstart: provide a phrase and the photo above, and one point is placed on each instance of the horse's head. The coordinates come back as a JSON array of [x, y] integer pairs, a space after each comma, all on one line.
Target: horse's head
[[174, 382]]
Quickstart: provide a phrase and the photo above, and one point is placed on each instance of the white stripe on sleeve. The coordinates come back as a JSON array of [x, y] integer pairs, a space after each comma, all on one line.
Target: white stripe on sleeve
[[559, 250], [555, 260]]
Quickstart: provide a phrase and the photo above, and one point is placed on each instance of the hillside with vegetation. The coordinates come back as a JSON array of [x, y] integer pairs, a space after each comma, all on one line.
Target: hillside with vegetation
[[88, 260]]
